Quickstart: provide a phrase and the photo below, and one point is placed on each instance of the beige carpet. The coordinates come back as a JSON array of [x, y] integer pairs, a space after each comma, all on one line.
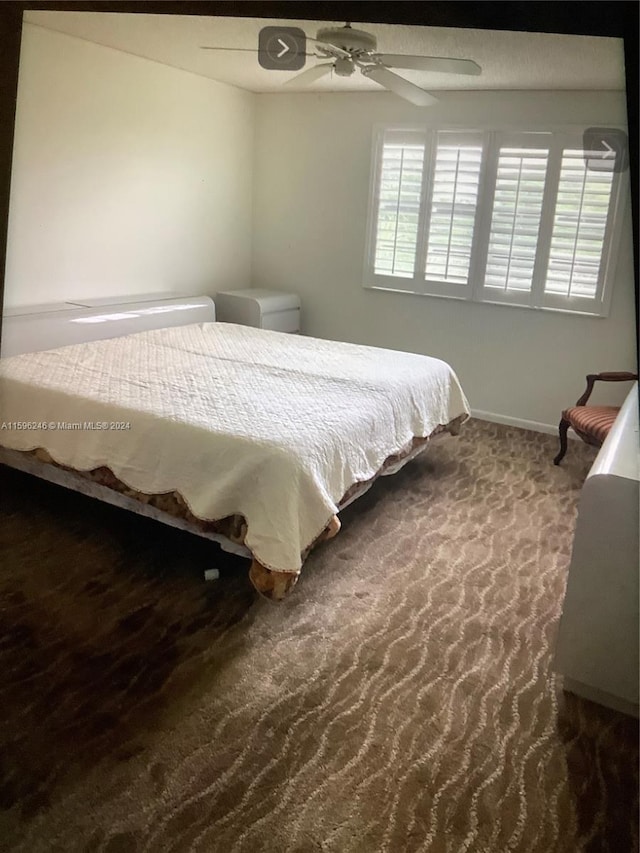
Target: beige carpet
[[401, 700]]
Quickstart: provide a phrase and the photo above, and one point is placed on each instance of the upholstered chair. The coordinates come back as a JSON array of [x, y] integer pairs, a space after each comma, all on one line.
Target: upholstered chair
[[591, 423]]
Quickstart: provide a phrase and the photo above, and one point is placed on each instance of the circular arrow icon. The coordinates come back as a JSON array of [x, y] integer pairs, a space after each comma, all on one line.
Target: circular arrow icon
[[282, 48]]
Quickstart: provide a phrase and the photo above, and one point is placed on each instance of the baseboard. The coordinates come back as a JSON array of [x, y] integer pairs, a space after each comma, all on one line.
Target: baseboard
[[536, 426]]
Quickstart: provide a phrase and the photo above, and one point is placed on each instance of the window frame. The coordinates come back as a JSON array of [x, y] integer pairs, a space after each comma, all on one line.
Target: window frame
[[560, 137]]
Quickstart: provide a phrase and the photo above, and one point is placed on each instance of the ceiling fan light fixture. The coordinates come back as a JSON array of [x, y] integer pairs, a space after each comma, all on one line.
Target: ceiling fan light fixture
[[344, 67]]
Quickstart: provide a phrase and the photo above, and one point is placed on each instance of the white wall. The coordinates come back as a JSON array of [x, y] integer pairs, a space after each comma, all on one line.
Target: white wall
[[312, 170], [128, 176]]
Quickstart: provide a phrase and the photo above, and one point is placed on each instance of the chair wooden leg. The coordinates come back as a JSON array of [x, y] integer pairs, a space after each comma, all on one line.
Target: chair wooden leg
[[562, 430]]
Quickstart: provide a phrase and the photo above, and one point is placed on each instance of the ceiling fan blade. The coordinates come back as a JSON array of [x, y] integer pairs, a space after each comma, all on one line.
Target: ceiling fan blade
[[429, 63], [310, 75], [246, 49], [332, 49], [408, 91]]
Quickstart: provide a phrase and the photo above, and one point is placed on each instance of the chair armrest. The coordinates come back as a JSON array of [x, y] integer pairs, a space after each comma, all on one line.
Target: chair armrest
[[616, 377], [592, 378]]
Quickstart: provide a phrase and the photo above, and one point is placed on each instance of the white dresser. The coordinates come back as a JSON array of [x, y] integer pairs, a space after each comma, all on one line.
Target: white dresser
[[597, 646], [35, 328], [264, 309]]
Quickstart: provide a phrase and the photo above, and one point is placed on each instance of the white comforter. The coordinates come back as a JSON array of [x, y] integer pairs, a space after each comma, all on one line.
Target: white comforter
[[238, 420]]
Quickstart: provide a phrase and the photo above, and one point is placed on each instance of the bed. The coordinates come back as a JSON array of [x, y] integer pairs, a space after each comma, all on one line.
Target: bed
[[253, 438]]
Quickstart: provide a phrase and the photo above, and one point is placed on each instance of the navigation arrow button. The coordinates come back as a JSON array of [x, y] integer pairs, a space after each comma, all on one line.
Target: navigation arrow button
[[609, 152], [605, 149], [285, 48], [282, 48]]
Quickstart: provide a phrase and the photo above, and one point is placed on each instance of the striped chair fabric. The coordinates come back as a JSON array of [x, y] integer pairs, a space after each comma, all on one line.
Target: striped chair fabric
[[592, 421]]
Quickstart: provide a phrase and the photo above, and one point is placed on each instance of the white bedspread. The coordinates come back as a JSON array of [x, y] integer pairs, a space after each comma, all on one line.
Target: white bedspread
[[238, 420]]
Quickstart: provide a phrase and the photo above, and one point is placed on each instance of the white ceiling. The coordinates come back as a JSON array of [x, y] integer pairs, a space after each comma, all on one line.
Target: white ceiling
[[509, 60]]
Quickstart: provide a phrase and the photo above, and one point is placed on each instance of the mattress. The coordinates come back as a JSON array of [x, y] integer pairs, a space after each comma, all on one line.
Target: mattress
[[239, 422]]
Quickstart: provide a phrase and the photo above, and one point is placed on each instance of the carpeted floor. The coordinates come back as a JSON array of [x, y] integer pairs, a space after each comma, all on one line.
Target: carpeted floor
[[401, 700]]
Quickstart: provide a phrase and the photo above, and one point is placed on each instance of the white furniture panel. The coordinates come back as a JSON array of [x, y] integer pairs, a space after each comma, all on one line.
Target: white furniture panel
[[597, 646], [36, 328], [264, 309]]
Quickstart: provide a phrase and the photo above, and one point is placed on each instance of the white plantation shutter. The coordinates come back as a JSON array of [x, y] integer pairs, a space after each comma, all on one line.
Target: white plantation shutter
[[509, 217], [398, 205], [515, 222], [453, 202], [579, 227]]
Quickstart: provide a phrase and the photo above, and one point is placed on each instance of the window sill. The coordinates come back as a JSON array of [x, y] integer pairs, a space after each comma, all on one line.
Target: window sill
[[593, 315]]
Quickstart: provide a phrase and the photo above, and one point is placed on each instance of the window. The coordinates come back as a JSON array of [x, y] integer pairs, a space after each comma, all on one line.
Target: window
[[513, 218], [398, 207], [579, 227], [453, 203]]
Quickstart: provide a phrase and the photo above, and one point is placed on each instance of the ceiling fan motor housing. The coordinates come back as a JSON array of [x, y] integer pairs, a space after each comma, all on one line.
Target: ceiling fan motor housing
[[347, 38]]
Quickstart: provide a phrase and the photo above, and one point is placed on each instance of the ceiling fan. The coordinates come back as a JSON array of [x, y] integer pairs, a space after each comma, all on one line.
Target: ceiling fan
[[348, 49]]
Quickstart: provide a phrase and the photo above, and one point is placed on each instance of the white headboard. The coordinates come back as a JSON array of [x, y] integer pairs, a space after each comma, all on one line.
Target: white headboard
[[41, 327]]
